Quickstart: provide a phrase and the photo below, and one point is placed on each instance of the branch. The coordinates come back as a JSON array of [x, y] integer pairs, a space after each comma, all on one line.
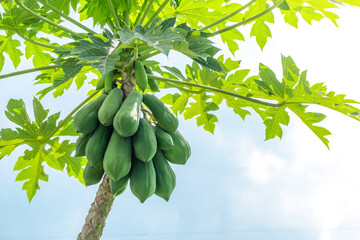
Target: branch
[[113, 13], [43, 2], [246, 20], [156, 13], [213, 89], [28, 71], [70, 115], [43, 18], [145, 12], [34, 41], [226, 17]]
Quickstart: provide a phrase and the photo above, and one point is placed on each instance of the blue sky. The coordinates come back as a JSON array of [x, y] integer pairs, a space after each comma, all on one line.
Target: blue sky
[[235, 185]]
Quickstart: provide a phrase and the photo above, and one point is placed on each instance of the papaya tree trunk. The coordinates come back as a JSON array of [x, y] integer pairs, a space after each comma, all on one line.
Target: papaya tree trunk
[[99, 210]]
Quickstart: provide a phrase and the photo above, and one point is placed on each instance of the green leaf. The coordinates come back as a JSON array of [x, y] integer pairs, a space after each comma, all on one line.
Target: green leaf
[[10, 47], [268, 77], [54, 153], [40, 58], [311, 118], [275, 117], [71, 67], [259, 29]]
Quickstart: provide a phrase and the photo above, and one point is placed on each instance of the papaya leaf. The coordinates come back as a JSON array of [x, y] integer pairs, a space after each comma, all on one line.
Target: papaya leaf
[[54, 153], [10, 47], [275, 117]]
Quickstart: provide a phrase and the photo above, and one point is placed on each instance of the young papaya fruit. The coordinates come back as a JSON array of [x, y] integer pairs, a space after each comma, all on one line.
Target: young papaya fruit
[[153, 84], [96, 146], [100, 84], [140, 75], [165, 176], [81, 144], [142, 179], [118, 187], [108, 81], [164, 140], [93, 175], [165, 118], [126, 120], [117, 159], [110, 106], [144, 141], [86, 119], [181, 151]]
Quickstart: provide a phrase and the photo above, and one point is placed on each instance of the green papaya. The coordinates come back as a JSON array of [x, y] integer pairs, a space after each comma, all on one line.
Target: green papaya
[[153, 84], [142, 179], [96, 146], [86, 119], [118, 187], [165, 176], [144, 141], [140, 75], [110, 106], [165, 118], [93, 175], [81, 144], [126, 120], [100, 84], [181, 151], [164, 140], [117, 159], [108, 81]]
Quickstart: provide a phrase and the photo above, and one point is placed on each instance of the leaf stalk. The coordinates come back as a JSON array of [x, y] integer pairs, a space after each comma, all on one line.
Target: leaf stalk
[[113, 13], [34, 41], [28, 71], [156, 13], [55, 10], [246, 20]]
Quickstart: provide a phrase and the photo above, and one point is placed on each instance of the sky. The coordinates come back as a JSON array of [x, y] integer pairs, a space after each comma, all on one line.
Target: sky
[[235, 185]]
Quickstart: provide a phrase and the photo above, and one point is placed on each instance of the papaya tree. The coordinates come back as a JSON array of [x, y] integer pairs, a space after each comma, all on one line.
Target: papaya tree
[[126, 128]]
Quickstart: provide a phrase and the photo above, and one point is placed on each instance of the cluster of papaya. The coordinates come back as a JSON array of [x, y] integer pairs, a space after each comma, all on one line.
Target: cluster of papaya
[[127, 147]]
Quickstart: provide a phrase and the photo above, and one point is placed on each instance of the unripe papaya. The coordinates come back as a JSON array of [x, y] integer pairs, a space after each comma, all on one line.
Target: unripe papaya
[[165, 118], [144, 141], [117, 159], [181, 151], [165, 176], [164, 140], [81, 144], [86, 119], [96, 146], [110, 106], [93, 175], [140, 75], [108, 81], [142, 179], [153, 84], [118, 187], [126, 120], [100, 84]]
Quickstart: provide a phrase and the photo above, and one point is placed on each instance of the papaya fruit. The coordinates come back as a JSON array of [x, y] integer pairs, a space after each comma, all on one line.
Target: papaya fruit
[[126, 120], [140, 75], [181, 151], [93, 174], [118, 187], [142, 179], [110, 106], [100, 84], [165, 176], [117, 158], [153, 84], [81, 144], [108, 81], [86, 119], [144, 141], [165, 118], [96, 146], [164, 140]]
